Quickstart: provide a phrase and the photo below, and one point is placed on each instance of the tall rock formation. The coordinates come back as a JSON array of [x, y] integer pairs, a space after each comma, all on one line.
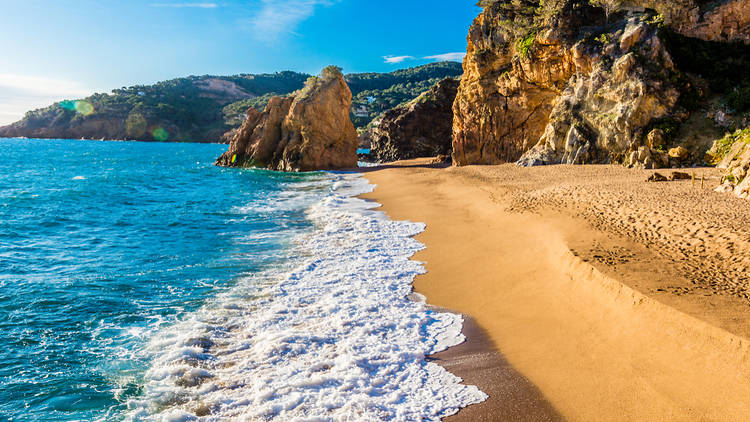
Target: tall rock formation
[[420, 128], [308, 131], [560, 81]]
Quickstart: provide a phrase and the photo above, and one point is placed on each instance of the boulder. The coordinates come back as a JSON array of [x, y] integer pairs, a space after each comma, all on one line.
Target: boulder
[[420, 128], [308, 131], [656, 139], [679, 175], [680, 153], [634, 33], [656, 177]]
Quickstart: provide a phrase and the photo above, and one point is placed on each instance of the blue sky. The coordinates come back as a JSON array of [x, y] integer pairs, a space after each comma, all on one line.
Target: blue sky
[[57, 49]]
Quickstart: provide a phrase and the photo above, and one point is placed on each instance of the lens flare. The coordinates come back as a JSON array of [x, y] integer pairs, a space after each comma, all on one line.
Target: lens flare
[[80, 106], [68, 105], [84, 107], [160, 134]]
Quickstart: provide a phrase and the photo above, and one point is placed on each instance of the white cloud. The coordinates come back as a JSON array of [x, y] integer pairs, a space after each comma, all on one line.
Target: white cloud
[[21, 93], [277, 17], [437, 57], [397, 59], [194, 5], [454, 57], [40, 85]]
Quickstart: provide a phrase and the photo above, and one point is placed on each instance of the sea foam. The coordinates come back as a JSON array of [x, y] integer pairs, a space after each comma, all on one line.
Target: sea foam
[[331, 335]]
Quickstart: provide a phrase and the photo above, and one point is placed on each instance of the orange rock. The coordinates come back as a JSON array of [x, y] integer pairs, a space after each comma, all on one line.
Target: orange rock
[[306, 132]]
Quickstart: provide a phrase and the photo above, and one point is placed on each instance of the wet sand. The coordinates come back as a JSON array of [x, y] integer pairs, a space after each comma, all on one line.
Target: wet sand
[[602, 297], [513, 397]]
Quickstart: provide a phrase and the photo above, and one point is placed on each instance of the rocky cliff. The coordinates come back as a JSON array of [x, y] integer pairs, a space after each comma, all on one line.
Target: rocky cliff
[[732, 154], [710, 20], [420, 128], [308, 131], [562, 81]]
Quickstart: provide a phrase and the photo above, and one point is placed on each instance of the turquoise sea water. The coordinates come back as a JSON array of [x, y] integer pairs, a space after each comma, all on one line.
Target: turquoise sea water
[[101, 244], [140, 282]]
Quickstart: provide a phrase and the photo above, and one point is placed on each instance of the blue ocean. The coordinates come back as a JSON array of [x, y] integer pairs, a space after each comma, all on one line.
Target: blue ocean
[[140, 282]]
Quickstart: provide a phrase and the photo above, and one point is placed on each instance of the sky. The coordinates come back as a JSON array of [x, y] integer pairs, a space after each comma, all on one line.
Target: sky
[[65, 49]]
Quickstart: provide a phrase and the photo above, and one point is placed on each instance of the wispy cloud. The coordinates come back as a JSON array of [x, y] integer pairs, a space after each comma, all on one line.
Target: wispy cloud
[[21, 93], [455, 57], [397, 59], [278, 17], [180, 5], [39, 85]]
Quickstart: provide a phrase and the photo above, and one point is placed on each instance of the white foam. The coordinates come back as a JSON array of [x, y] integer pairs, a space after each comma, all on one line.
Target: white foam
[[331, 335]]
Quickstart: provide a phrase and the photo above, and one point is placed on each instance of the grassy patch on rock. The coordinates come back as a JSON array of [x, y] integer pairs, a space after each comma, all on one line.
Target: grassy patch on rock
[[723, 146]]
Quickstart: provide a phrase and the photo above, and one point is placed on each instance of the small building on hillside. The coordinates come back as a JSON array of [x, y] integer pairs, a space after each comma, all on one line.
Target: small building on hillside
[[360, 110]]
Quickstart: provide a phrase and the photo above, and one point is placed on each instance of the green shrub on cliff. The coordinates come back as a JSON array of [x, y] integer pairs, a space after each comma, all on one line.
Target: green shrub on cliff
[[722, 146], [331, 72], [523, 45]]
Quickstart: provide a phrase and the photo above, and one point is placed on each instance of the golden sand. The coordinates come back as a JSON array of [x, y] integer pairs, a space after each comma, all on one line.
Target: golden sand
[[605, 324]]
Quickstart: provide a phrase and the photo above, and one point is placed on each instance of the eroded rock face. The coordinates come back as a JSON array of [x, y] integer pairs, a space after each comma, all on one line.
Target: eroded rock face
[[733, 155], [306, 132], [602, 113], [562, 85], [506, 93], [723, 20], [421, 128]]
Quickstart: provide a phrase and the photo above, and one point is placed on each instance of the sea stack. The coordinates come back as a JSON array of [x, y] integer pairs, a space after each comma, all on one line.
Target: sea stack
[[308, 131], [419, 128]]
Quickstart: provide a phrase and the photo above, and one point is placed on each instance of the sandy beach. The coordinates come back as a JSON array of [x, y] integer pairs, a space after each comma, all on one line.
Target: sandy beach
[[592, 295]]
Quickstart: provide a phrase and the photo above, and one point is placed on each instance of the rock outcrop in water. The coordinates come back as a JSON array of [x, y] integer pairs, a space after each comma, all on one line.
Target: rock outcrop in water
[[308, 131], [560, 81], [420, 128]]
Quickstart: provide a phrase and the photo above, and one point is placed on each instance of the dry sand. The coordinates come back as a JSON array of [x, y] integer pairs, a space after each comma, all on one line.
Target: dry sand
[[602, 297]]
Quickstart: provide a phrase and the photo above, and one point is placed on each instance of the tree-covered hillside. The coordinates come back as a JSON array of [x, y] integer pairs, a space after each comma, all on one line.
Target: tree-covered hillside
[[203, 108], [373, 93]]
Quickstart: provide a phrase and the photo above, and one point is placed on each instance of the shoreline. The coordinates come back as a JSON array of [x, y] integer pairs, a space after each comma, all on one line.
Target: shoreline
[[512, 397], [589, 344]]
